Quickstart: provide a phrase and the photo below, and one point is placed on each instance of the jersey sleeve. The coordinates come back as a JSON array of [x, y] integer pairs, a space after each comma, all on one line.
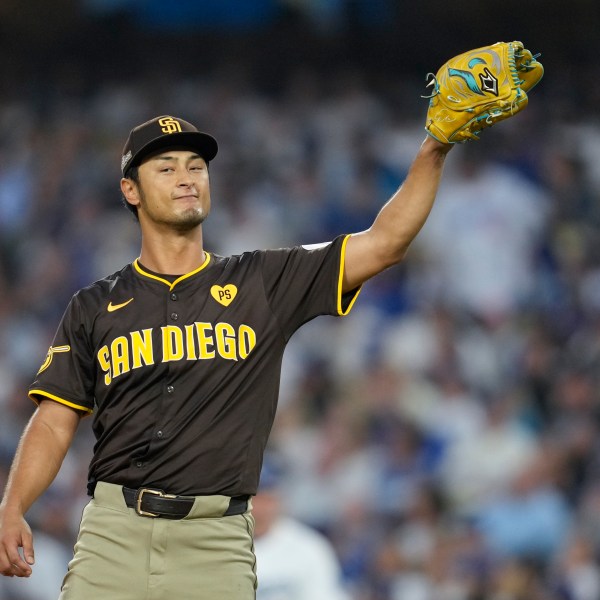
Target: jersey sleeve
[[67, 375], [306, 281]]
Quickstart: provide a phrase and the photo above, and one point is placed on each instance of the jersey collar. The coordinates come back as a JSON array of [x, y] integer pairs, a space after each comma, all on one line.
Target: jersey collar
[[138, 268]]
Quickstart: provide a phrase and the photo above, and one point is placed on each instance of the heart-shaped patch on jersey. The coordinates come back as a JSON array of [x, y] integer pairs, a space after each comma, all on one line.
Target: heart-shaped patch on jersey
[[224, 295]]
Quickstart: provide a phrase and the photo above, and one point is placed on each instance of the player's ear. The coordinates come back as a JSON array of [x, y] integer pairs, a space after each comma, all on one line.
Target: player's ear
[[130, 191]]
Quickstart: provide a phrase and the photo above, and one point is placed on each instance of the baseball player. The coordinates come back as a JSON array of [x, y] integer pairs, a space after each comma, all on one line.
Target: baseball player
[[177, 357]]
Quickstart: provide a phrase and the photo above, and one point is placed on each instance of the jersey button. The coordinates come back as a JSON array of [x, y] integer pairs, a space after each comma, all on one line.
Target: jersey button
[[170, 389], [174, 316], [139, 464], [159, 434], [174, 296]]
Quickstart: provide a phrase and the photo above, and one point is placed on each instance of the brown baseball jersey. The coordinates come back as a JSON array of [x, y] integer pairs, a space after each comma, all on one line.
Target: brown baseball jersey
[[182, 373]]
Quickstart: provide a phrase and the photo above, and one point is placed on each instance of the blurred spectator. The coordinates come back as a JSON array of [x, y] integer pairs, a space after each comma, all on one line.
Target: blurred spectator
[[531, 519], [481, 467], [578, 571], [480, 205], [406, 460], [331, 470], [294, 561], [519, 579]]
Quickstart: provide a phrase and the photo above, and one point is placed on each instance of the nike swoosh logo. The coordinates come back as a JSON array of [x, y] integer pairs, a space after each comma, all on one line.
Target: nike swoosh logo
[[112, 307]]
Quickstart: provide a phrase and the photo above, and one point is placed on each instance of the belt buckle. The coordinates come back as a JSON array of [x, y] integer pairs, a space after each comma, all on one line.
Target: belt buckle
[[140, 494]]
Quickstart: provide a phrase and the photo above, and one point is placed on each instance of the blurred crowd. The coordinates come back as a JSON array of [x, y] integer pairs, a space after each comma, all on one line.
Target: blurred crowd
[[444, 435]]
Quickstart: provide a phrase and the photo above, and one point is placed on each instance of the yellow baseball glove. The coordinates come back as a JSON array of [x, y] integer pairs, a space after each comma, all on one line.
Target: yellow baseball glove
[[475, 90]]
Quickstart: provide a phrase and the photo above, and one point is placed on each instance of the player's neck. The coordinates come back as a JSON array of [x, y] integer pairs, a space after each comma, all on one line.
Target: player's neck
[[172, 255]]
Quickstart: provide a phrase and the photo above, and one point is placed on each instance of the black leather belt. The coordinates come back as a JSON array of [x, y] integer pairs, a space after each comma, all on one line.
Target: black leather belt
[[154, 503]]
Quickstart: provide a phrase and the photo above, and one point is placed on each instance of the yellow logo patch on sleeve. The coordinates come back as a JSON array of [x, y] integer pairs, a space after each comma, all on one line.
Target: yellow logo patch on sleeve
[[51, 352]]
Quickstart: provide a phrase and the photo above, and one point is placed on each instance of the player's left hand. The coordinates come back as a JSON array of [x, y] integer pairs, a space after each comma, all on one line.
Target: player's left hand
[[479, 88]]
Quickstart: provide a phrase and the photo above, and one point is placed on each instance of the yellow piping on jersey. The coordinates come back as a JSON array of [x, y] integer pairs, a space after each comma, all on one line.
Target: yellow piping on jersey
[[33, 393], [340, 310], [136, 266]]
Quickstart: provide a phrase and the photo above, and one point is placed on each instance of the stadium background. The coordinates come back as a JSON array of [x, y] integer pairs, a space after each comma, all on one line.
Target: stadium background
[[444, 436]]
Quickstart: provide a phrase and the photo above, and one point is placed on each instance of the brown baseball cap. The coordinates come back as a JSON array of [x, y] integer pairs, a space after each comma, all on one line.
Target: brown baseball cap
[[162, 132]]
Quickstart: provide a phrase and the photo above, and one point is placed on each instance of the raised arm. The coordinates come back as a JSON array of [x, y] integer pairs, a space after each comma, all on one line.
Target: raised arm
[[385, 243], [39, 456]]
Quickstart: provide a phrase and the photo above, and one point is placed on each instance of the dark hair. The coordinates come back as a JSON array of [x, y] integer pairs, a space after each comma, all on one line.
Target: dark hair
[[133, 174]]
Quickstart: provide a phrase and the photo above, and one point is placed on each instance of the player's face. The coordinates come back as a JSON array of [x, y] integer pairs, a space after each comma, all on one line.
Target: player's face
[[174, 190]]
